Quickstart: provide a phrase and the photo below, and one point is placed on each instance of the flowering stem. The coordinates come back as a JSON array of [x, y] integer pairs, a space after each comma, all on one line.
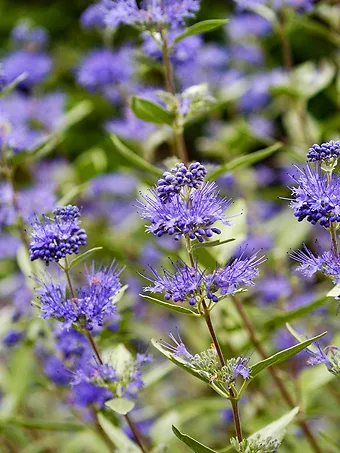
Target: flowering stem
[[95, 349], [280, 385], [213, 333], [104, 436], [169, 82], [234, 404], [135, 432], [332, 231]]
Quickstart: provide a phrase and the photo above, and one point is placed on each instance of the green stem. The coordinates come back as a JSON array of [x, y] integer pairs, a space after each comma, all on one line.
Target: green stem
[[278, 382], [180, 148], [237, 421], [95, 349], [213, 333]]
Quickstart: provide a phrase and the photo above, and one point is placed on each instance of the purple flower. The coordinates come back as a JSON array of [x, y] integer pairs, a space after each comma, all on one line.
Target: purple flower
[[56, 371], [324, 152], [175, 180], [178, 349], [247, 53], [240, 368], [103, 68], [316, 199], [37, 66], [25, 35], [258, 93], [13, 337], [9, 246], [26, 122], [185, 52], [151, 12], [238, 273], [7, 212], [246, 24], [97, 298], [86, 394], [184, 284], [262, 127], [90, 305], [325, 262], [54, 238], [122, 185], [193, 217], [188, 284], [94, 15], [273, 288]]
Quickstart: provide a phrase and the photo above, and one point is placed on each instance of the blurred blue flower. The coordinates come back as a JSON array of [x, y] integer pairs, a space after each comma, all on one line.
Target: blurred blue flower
[[273, 288], [13, 337], [104, 68], [242, 25], [24, 34], [56, 371], [37, 66]]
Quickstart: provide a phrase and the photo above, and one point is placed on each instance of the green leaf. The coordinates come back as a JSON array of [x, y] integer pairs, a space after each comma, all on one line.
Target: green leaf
[[298, 313], [282, 355], [83, 256], [173, 307], [44, 425], [120, 405], [133, 158], [157, 373], [71, 194], [330, 441], [276, 429], [179, 362], [335, 291], [211, 243], [201, 27], [150, 112], [246, 160], [119, 357], [194, 445], [122, 442]]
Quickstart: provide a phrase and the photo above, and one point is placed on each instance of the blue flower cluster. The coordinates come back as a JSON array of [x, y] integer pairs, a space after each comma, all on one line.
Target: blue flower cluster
[[326, 262], [189, 284], [193, 217], [55, 238], [91, 305], [316, 198], [178, 178], [112, 13], [324, 152]]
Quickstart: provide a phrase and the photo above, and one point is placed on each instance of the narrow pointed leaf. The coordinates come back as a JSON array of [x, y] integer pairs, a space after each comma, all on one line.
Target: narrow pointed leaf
[[134, 159], [151, 112], [282, 355], [120, 405], [122, 442], [173, 307], [179, 362], [211, 243], [276, 429], [283, 318], [201, 27], [246, 160], [193, 444], [83, 256]]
